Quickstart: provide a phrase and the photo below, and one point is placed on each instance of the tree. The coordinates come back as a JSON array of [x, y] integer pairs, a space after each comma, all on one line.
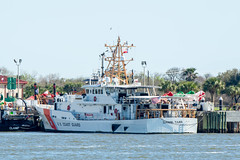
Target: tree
[[70, 86], [158, 79], [28, 90], [4, 71], [29, 87], [234, 92], [186, 86], [213, 85], [207, 75], [30, 78], [230, 77], [189, 74], [167, 86], [173, 74], [232, 80], [200, 80]]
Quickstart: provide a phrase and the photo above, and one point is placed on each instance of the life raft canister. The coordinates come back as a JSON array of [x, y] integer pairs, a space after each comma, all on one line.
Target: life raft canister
[[68, 107], [95, 98]]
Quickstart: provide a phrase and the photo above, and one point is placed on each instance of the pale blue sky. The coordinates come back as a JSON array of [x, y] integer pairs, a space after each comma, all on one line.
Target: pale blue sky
[[66, 37]]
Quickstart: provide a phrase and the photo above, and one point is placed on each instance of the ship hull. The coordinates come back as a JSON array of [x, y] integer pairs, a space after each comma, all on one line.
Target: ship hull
[[64, 121]]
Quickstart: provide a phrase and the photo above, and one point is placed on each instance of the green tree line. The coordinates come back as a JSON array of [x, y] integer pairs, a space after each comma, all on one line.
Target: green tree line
[[46, 83], [225, 84]]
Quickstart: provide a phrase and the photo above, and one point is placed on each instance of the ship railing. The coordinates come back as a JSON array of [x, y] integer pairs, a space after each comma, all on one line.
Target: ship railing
[[125, 100], [164, 113]]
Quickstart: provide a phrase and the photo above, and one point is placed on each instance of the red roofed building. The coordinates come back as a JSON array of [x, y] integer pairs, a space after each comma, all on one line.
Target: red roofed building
[[5, 92]]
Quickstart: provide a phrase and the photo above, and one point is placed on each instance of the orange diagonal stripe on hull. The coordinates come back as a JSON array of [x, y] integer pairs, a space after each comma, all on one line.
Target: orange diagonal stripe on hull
[[48, 116]]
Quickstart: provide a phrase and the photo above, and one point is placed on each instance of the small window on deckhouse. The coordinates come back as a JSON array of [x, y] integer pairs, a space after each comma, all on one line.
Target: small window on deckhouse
[[104, 109]]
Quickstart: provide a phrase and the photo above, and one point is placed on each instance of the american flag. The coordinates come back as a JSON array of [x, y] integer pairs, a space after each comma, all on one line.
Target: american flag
[[156, 100], [125, 50]]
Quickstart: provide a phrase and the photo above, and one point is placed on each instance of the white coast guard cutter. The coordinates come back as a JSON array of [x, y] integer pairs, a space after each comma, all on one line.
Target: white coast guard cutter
[[115, 106]]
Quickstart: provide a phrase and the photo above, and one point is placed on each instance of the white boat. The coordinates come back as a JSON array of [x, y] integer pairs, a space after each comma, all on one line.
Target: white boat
[[112, 105]]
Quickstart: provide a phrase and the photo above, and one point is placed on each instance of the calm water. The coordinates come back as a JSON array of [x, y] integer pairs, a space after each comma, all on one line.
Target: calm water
[[40, 145]]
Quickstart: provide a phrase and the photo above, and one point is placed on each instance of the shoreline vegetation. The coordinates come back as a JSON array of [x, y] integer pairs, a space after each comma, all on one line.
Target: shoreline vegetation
[[225, 84]]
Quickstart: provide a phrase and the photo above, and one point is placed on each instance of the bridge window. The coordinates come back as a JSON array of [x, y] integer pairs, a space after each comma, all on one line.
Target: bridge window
[[87, 91]]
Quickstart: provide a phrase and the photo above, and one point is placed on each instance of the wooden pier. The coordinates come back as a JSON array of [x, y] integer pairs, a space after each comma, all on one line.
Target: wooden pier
[[218, 122]]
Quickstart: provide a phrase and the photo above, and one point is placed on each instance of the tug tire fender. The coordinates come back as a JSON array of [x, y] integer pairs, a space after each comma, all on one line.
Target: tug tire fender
[[10, 105]]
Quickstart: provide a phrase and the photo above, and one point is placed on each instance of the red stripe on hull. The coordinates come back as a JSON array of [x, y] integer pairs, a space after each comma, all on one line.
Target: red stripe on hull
[[49, 118]]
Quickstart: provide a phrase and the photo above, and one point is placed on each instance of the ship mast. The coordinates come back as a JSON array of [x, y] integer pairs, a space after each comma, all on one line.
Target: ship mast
[[116, 67]]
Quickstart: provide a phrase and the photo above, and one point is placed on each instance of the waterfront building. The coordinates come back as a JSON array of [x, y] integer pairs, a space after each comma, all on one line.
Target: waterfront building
[[14, 93]]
